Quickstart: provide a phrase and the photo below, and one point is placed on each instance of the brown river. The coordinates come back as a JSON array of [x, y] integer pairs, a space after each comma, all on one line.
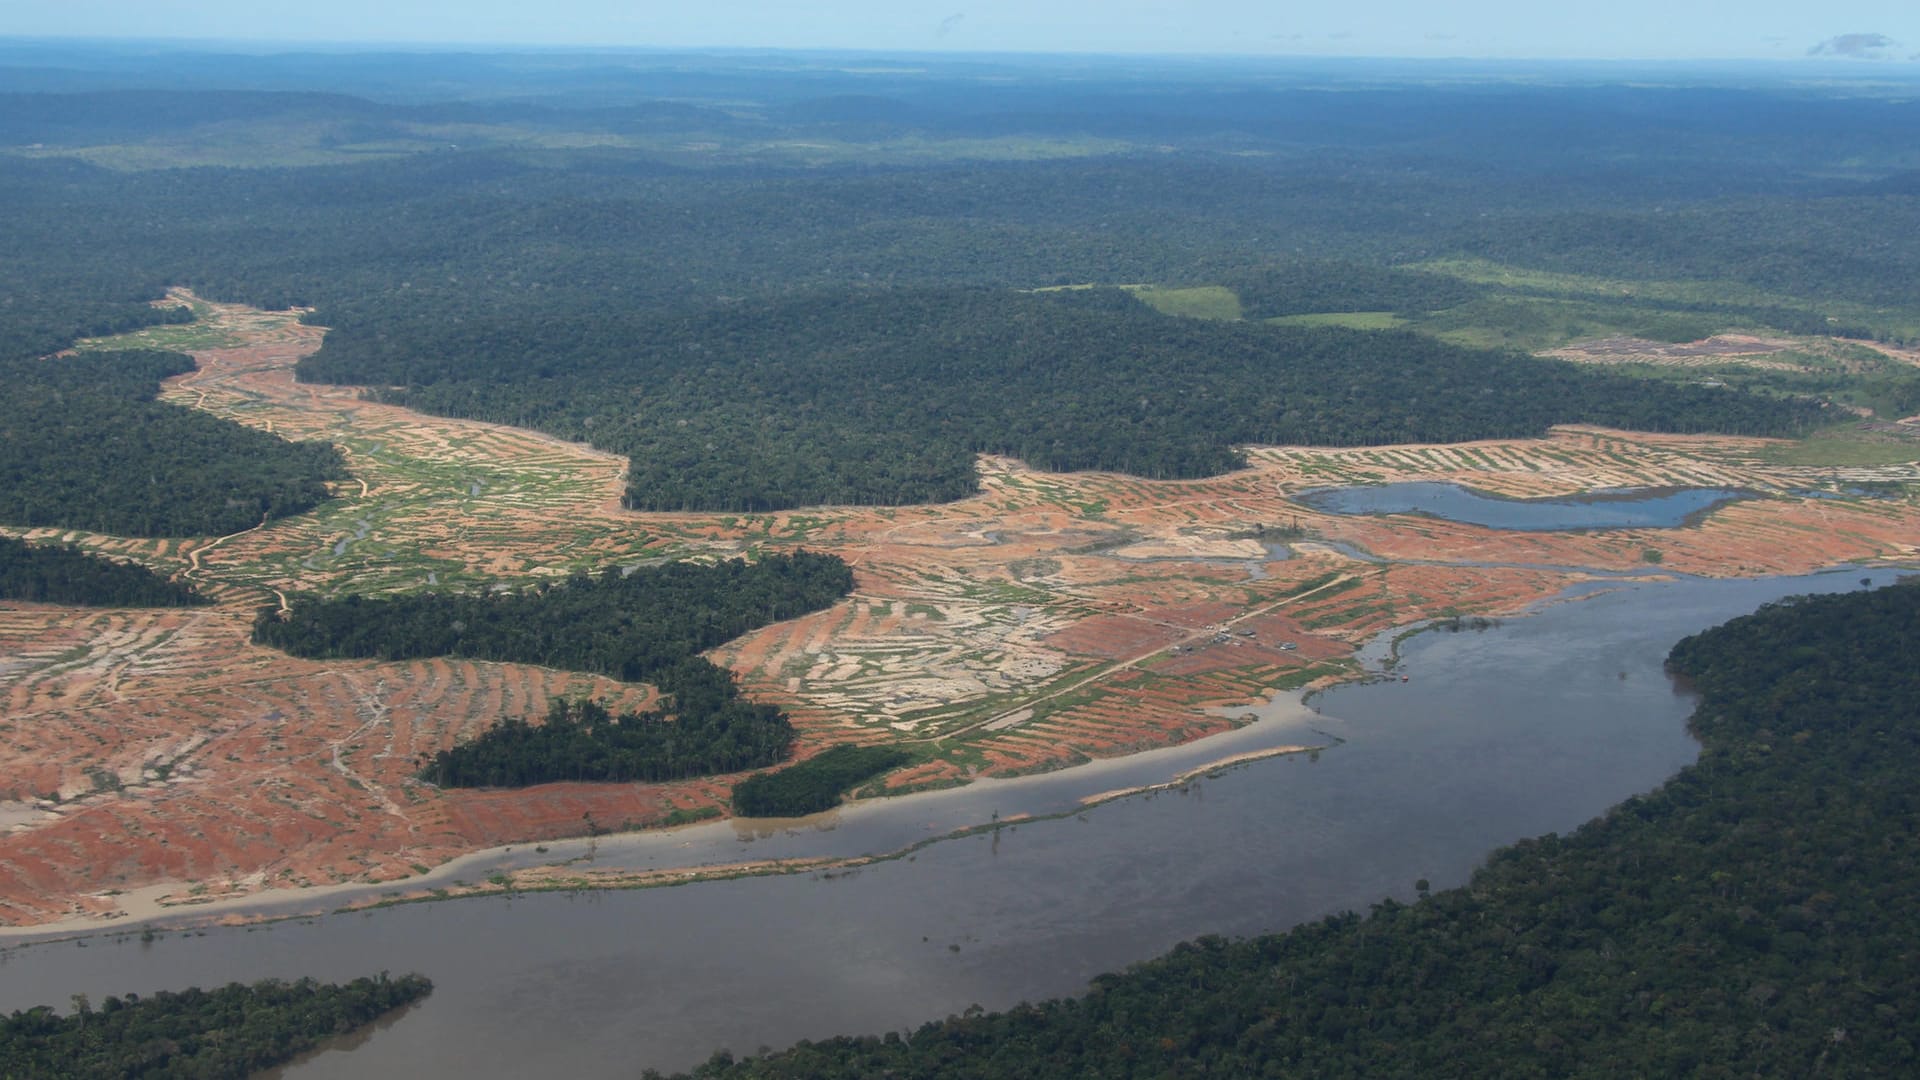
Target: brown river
[[1534, 725]]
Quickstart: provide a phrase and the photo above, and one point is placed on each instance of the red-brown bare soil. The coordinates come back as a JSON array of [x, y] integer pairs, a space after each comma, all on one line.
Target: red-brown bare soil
[[1051, 619]]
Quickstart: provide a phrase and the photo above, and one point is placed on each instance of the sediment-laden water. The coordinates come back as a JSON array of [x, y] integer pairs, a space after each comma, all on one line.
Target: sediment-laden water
[[1534, 725]]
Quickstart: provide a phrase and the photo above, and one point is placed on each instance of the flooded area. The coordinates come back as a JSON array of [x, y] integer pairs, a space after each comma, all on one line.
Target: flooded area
[[1532, 725], [1645, 508]]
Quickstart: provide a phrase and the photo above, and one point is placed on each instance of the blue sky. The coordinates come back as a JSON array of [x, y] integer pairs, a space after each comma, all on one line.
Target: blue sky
[[1641, 29]]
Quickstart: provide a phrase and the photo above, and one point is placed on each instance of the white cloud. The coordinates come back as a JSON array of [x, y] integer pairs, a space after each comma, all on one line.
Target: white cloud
[[1858, 46]]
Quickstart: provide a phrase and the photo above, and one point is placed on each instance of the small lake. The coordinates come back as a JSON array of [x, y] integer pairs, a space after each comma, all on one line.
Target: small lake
[[1656, 508], [1534, 725]]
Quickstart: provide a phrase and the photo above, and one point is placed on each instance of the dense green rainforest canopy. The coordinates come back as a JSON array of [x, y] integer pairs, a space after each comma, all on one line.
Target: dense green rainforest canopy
[[225, 1034], [64, 574], [84, 445], [886, 396], [759, 331]]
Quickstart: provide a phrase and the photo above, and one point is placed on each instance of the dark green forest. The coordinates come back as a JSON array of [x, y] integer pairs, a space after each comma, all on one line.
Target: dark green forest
[[625, 625], [885, 396], [1310, 286], [649, 625], [815, 784], [703, 730], [65, 574], [761, 329], [225, 1034], [1752, 917], [84, 445]]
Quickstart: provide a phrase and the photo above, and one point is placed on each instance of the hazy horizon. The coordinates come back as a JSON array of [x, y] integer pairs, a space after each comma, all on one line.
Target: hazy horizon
[[1873, 33]]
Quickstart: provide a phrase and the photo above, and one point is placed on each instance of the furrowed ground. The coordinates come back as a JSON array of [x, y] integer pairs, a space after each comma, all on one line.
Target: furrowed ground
[[159, 756]]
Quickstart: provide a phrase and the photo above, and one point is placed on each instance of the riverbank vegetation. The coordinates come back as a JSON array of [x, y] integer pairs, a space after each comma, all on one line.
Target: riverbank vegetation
[[1750, 917], [64, 574], [86, 446], [815, 784], [227, 1034]]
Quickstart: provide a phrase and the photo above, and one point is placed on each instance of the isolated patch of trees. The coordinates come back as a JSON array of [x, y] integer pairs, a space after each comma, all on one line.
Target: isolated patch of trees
[[65, 574], [815, 784], [626, 626], [84, 445], [225, 1034], [885, 396], [646, 626], [1753, 916], [705, 728]]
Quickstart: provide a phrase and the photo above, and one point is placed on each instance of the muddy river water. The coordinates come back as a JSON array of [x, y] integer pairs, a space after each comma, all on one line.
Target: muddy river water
[[1534, 725]]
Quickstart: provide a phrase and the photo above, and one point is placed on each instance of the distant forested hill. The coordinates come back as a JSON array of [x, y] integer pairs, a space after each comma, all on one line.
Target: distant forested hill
[[884, 396], [748, 217], [84, 445], [1753, 917]]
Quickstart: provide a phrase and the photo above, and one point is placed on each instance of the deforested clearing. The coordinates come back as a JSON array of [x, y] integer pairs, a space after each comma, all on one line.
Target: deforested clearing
[[1050, 619]]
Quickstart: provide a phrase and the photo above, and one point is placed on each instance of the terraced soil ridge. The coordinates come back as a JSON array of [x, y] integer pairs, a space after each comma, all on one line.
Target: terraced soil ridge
[[159, 758]]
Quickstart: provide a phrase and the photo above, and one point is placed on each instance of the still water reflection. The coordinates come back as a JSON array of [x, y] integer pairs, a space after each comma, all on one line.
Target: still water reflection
[[1648, 508]]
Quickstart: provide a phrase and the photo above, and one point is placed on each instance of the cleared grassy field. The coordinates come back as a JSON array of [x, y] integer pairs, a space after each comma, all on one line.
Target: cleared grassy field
[[1527, 283], [1352, 320], [1199, 302], [1849, 446]]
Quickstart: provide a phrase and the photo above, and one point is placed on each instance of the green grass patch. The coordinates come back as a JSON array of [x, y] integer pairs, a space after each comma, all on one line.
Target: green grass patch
[[1352, 320], [1847, 446], [1634, 303], [1199, 302], [1318, 581], [687, 815], [174, 337], [1538, 322]]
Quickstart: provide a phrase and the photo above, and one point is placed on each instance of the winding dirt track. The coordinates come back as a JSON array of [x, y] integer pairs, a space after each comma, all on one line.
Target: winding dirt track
[[1048, 620]]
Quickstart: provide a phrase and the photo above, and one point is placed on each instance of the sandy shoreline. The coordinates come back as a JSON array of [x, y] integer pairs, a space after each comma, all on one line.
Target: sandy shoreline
[[1198, 771], [171, 904]]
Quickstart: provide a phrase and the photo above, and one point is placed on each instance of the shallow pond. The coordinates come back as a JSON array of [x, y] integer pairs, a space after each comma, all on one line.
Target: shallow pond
[[1646, 508]]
